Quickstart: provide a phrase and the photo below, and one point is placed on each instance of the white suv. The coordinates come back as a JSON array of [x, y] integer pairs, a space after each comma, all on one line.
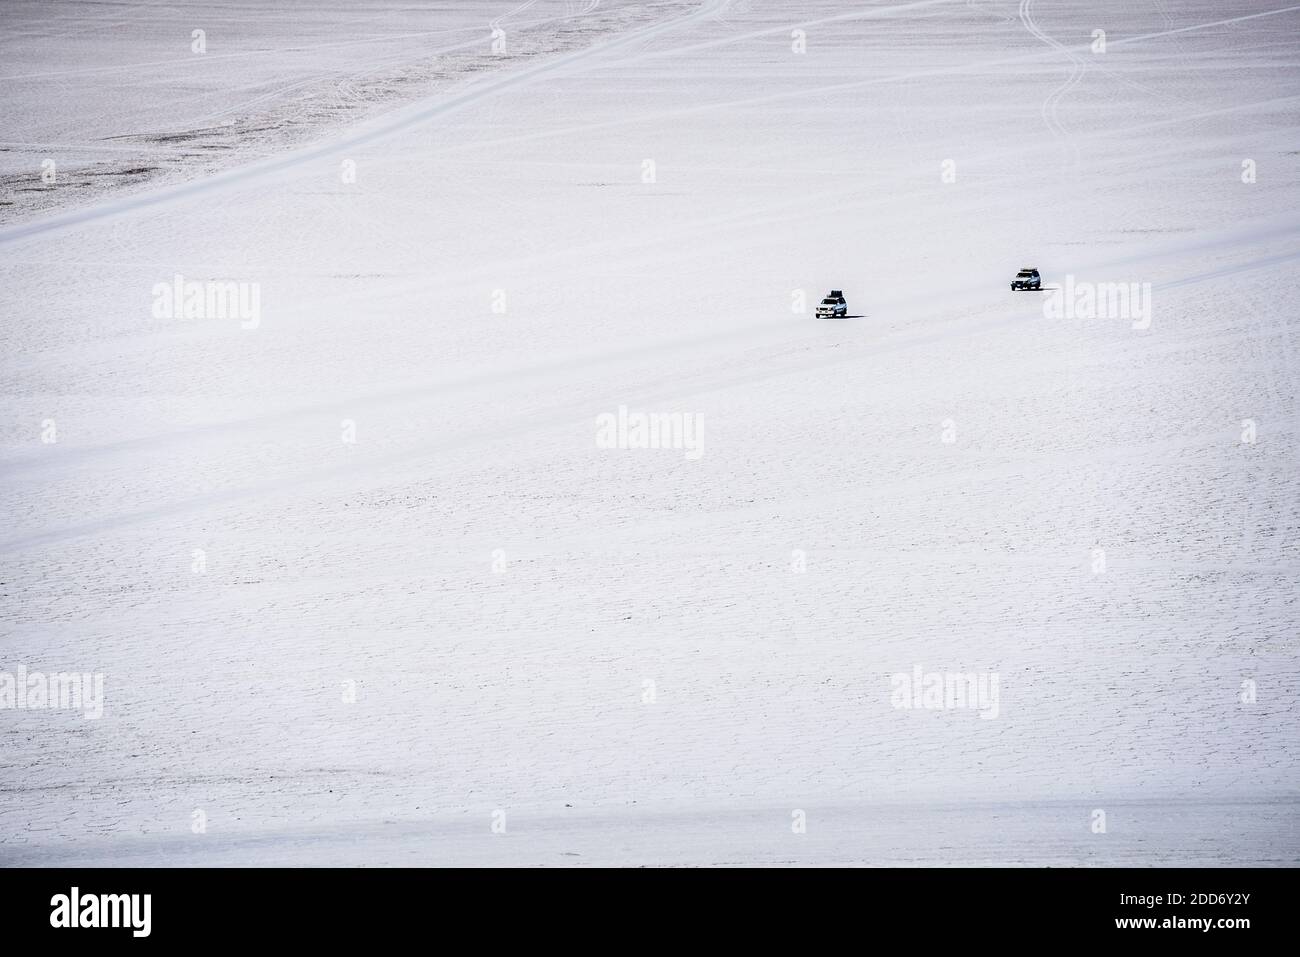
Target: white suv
[[1027, 279], [833, 306]]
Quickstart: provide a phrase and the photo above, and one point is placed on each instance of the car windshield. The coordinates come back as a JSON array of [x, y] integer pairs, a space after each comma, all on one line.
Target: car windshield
[[1026, 272], [828, 302]]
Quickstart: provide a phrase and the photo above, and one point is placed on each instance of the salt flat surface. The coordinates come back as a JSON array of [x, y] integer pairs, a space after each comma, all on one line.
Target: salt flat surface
[[472, 612]]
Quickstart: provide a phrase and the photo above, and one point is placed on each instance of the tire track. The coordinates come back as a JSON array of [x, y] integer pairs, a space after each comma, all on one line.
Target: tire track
[[410, 119], [1051, 107], [255, 171], [668, 389]]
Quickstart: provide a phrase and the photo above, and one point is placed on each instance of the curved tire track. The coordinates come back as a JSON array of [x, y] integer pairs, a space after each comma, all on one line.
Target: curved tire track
[[1052, 105]]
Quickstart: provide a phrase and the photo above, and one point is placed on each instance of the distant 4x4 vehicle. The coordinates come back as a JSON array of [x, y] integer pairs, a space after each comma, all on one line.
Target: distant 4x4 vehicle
[[833, 306], [1027, 278]]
